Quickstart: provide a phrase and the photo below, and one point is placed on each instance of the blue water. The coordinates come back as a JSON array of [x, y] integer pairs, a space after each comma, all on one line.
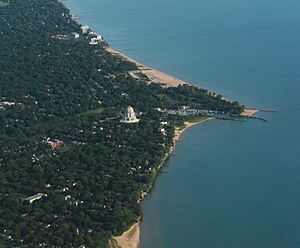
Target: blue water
[[228, 184]]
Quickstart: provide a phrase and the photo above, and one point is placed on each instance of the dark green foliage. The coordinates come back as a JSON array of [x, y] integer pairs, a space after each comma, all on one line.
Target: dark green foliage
[[61, 90]]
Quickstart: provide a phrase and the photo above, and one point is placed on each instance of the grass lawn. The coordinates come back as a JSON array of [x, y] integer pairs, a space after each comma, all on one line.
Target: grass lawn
[[107, 112], [93, 111], [193, 119]]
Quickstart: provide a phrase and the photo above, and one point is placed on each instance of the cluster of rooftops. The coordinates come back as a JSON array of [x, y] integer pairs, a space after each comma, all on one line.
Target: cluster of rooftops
[[94, 38]]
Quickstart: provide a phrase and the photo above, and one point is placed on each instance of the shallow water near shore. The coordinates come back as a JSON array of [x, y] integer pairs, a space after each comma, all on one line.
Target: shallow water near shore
[[228, 184]]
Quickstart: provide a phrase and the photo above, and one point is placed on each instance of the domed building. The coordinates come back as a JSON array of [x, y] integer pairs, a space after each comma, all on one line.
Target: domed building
[[129, 116]]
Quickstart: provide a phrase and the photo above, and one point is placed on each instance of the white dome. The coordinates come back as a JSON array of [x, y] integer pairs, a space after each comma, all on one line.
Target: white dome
[[129, 116]]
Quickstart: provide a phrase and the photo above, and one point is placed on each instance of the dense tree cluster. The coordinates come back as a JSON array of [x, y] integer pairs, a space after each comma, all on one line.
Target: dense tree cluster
[[74, 92]]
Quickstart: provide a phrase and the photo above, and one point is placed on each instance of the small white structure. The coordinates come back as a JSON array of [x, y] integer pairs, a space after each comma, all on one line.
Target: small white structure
[[7, 103], [129, 116], [93, 41], [164, 123], [99, 37], [75, 35], [36, 197], [95, 35], [67, 197], [162, 131], [85, 29], [95, 38]]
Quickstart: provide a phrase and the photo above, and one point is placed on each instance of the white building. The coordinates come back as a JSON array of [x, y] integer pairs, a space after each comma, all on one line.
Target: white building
[[98, 37], [85, 29], [93, 41], [95, 38], [95, 35], [129, 116], [164, 123], [36, 197], [75, 35], [162, 130]]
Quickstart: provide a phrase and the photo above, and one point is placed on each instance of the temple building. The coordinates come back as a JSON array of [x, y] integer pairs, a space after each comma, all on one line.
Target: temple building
[[129, 116]]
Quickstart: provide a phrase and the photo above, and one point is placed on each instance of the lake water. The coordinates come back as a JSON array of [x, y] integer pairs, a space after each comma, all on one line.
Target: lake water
[[228, 184]]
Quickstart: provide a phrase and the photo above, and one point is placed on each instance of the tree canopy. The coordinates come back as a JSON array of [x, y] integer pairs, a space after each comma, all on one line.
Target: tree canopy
[[53, 89]]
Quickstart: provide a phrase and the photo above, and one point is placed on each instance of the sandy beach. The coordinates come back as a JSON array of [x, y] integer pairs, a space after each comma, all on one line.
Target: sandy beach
[[154, 75], [131, 238], [187, 125], [249, 112]]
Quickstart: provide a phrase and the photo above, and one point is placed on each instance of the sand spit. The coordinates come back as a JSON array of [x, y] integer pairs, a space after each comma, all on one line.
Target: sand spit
[[249, 112]]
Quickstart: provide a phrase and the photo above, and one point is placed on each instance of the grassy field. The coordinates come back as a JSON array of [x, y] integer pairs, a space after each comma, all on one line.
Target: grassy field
[[193, 119], [104, 112], [93, 111]]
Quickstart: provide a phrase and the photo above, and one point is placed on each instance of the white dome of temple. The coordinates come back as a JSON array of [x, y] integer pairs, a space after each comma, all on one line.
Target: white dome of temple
[[129, 116]]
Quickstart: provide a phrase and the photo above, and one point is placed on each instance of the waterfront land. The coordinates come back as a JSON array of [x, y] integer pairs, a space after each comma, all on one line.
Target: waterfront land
[[131, 238], [249, 112], [153, 74], [233, 165], [71, 173]]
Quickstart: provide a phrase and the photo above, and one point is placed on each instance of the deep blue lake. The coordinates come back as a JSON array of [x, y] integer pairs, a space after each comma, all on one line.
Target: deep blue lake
[[228, 184]]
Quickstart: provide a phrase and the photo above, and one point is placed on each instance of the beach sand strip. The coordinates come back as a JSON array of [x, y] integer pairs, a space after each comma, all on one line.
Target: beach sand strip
[[154, 75], [249, 112]]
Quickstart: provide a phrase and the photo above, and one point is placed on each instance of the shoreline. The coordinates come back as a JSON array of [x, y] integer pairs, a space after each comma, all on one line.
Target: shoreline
[[249, 112], [131, 238], [154, 75]]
